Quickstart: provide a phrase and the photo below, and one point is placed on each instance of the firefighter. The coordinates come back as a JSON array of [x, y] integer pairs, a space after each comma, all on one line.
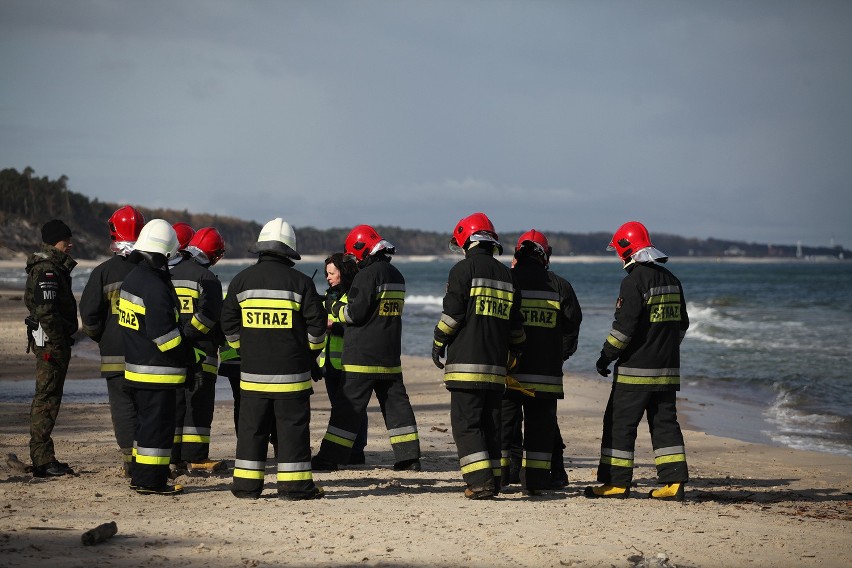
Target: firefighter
[[371, 356], [552, 318], [650, 323], [184, 234], [156, 356], [480, 329], [99, 315], [274, 317], [200, 294], [51, 323]]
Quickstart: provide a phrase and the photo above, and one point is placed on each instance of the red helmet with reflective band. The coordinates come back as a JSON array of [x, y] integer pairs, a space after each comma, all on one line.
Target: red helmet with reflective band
[[125, 224], [470, 225], [360, 241], [184, 234], [534, 242], [208, 242], [629, 238]]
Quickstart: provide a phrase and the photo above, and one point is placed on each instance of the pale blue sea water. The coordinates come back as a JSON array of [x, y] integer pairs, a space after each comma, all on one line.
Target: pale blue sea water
[[767, 339]]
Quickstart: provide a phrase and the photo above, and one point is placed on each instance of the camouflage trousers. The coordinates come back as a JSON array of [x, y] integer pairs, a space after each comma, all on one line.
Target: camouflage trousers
[[51, 367]]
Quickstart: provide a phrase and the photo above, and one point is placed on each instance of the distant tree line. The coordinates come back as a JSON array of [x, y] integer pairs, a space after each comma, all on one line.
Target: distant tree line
[[27, 201]]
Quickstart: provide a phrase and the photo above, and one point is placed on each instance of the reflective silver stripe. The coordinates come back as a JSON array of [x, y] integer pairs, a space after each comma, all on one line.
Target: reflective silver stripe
[[112, 287], [543, 456], [212, 360], [316, 339], [276, 379], [619, 336], [247, 464], [112, 359], [132, 298], [403, 430], [270, 294], [178, 431], [540, 295], [473, 458], [294, 466], [158, 452], [204, 319], [341, 433], [346, 317], [491, 283], [473, 368], [669, 451], [448, 321], [505, 453], [191, 284], [170, 336], [390, 288], [232, 338], [543, 379], [154, 369], [617, 453], [665, 372], [660, 290], [197, 431]]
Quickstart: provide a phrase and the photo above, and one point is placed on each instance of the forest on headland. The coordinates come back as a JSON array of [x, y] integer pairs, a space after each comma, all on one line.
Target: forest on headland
[[27, 201]]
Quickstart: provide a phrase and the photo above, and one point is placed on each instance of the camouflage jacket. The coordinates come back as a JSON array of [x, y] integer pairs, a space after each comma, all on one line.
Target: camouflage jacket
[[48, 295]]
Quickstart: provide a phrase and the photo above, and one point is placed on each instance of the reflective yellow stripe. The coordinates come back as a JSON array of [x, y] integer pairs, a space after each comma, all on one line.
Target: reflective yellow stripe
[[530, 303], [171, 344], [248, 473], [275, 387], [196, 323], [476, 466], [195, 438], [475, 378], [404, 438], [535, 464], [153, 460], [106, 367], [670, 459], [207, 367], [492, 293], [616, 461], [146, 378], [294, 475], [371, 369], [664, 299], [633, 380], [338, 440]]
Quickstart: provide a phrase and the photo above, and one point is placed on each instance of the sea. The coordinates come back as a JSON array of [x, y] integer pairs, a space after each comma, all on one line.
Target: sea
[[767, 356]]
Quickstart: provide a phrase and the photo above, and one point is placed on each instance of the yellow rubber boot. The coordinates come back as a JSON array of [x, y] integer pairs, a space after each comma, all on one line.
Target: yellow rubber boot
[[670, 492], [607, 492]]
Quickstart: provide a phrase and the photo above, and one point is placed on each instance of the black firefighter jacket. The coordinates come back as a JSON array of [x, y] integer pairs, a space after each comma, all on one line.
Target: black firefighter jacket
[[481, 319], [373, 317], [99, 312], [155, 355], [274, 316], [200, 295], [552, 318], [650, 322]]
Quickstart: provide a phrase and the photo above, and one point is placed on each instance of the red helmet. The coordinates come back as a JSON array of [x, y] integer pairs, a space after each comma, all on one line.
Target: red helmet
[[469, 226], [125, 224], [629, 238], [207, 242], [363, 241], [184, 234], [534, 242]]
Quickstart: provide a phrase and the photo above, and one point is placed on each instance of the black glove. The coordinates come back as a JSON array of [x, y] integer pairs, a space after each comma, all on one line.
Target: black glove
[[602, 365], [316, 371], [192, 382], [329, 303], [514, 360], [438, 351]]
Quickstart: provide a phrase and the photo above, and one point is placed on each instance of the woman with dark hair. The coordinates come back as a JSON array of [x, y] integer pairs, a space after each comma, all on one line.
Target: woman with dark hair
[[339, 272]]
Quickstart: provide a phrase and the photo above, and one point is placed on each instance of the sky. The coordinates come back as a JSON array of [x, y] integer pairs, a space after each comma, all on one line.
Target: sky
[[723, 119]]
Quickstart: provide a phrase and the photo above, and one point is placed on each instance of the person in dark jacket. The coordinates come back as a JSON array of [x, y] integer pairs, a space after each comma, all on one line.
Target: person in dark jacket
[[99, 315], [200, 294], [371, 356], [481, 333], [340, 270], [650, 323], [552, 318], [50, 326], [155, 354], [274, 317]]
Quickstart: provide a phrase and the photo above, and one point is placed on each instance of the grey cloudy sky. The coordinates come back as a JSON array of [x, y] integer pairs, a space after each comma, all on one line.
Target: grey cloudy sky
[[727, 119]]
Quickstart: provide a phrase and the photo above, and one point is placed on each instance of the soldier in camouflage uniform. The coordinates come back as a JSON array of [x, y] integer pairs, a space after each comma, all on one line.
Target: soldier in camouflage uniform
[[52, 322]]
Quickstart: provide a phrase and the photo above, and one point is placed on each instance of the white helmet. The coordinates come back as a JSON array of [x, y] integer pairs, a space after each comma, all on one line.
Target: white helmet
[[158, 236], [277, 236]]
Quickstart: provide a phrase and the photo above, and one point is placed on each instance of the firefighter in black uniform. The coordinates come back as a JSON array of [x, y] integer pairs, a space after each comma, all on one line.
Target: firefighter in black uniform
[[156, 357], [552, 318], [274, 317], [371, 356], [99, 315], [650, 323], [200, 294], [480, 330]]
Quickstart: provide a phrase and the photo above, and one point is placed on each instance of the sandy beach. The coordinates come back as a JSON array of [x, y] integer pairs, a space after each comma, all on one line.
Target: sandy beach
[[747, 504]]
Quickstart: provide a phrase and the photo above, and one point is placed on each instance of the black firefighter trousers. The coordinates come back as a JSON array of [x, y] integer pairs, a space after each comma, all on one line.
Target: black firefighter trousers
[[475, 415], [623, 413], [351, 408], [538, 416], [291, 417], [155, 426]]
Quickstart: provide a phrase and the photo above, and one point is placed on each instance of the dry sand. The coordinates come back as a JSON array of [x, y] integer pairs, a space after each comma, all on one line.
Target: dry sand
[[748, 505]]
